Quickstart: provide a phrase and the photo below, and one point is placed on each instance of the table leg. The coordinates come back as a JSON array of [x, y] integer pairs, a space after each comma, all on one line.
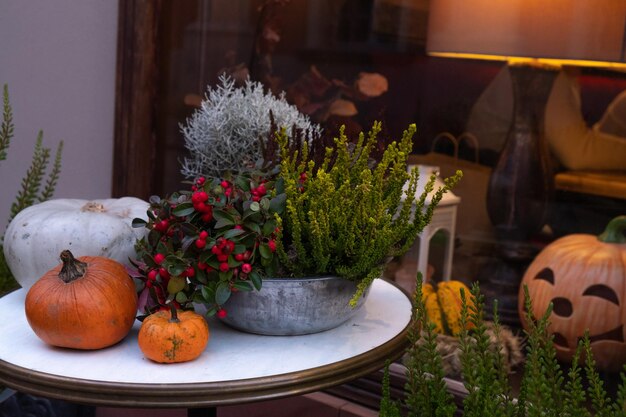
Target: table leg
[[202, 412]]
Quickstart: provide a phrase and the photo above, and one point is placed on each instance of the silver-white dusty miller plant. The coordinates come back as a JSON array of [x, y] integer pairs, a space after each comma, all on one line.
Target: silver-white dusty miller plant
[[224, 134]]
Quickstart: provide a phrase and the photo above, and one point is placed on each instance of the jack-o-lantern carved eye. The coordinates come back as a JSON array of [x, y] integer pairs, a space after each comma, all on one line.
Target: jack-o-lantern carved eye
[[562, 307], [602, 291], [546, 274]]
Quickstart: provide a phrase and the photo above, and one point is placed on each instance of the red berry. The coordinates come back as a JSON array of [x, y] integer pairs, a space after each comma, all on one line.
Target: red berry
[[161, 226], [163, 273], [256, 198], [200, 180], [199, 197], [222, 257], [246, 255], [149, 284], [202, 265], [239, 257], [190, 272], [221, 313], [224, 184], [224, 267], [272, 245], [216, 250], [208, 216], [261, 189], [159, 258], [246, 268], [152, 274], [238, 227], [204, 234], [200, 243]]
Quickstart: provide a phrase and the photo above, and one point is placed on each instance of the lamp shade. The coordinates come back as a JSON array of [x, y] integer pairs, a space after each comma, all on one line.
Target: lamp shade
[[576, 32]]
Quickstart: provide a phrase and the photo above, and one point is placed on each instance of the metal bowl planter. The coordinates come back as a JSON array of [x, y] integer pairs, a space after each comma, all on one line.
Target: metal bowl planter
[[293, 306]]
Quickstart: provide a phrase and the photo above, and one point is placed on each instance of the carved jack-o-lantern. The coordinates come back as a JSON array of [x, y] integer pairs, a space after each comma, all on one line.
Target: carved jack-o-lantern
[[584, 277]]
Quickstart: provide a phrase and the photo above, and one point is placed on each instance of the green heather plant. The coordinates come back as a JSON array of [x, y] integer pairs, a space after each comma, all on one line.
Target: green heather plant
[[349, 214], [36, 186], [544, 391]]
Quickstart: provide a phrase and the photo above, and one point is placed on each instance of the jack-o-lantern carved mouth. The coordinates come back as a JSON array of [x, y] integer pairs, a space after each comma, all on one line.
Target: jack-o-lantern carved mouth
[[563, 307], [616, 335]]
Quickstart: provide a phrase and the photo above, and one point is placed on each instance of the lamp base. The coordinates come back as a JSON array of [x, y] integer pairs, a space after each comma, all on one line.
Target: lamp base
[[500, 279], [521, 185], [520, 190]]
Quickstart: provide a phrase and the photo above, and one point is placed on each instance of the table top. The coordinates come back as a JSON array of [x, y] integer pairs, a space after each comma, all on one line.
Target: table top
[[235, 367]]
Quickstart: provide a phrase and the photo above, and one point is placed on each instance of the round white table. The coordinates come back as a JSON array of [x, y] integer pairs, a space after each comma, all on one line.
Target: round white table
[[235, 368]]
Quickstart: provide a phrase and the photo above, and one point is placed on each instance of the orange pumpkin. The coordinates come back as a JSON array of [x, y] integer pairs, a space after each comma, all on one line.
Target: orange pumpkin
[[84, 303], [584, 277], [173, 336]]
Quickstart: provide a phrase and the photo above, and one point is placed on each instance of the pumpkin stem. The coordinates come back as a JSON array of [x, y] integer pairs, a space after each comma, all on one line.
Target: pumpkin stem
[[72, 268], [93, 207], [615, 231], [174, 314]]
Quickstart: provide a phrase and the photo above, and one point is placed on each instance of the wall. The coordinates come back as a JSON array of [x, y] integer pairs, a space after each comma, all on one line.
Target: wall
[[58, 59]]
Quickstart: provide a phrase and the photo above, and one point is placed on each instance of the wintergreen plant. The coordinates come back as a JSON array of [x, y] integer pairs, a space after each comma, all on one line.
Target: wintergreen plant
[[227, 133], [37, 185], [349, 214]]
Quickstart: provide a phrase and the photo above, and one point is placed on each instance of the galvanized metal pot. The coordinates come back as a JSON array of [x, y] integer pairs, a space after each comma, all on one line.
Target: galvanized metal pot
[[293, 306]]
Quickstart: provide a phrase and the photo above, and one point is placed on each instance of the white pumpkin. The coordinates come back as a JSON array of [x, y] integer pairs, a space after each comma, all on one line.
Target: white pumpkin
[[38, 234]]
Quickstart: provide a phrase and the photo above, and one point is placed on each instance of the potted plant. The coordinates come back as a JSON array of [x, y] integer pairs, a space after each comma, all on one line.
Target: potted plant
[[336, 216]]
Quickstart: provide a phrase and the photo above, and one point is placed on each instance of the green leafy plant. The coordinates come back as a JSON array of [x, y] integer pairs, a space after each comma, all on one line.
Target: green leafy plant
[[545, 389], [348, 214], [37, 185], [207, 242]]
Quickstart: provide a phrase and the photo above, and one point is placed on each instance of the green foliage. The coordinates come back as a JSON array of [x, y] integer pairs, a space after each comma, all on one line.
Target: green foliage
[[388, 408], [214, 239], [545, 390], [427, 393], [36, 186], [31, 191], [484, 373], [347, 215]]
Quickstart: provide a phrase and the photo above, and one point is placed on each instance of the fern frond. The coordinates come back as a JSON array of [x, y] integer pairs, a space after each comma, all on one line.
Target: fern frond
[[53, 176], [31, 182], [388, 407], [6, 129]]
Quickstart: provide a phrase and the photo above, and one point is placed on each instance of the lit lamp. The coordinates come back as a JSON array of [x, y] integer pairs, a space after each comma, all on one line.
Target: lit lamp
[[535, 37]]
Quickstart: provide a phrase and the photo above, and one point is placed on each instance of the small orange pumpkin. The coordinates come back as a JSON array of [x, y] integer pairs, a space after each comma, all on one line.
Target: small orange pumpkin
[[584, 277], [173, 336], [84, 303]]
